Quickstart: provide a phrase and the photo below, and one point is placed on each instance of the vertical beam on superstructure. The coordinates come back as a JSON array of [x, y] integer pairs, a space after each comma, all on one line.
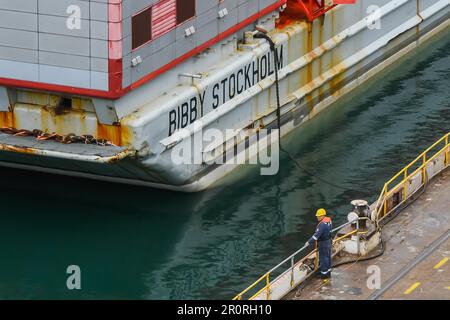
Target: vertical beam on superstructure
[[115, 46]]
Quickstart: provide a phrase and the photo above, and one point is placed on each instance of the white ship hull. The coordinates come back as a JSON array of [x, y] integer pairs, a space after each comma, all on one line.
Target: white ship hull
[[234, 88]]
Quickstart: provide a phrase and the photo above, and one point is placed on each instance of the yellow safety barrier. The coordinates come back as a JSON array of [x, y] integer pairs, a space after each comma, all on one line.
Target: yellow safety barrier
[[389, 200], [265, 279], [392, 198]]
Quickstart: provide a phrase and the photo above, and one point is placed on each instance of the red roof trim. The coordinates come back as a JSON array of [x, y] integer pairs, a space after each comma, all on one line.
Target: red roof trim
[[55, 88]]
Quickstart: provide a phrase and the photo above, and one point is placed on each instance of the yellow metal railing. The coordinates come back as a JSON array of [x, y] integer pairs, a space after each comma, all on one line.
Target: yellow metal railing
[[265, 279], [393, 197], [384, 205]]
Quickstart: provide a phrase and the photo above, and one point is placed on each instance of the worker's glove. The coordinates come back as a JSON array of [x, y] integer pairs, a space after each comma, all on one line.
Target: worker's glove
[[306, 244]]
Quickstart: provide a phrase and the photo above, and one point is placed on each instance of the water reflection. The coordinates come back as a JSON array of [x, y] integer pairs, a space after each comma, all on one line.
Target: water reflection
[[150, 244]]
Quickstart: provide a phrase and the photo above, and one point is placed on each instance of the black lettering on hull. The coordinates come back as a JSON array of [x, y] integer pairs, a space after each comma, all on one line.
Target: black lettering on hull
[[224, 90]]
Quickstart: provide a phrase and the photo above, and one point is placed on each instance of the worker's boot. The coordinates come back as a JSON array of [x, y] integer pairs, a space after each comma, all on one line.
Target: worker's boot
[[320, 275]]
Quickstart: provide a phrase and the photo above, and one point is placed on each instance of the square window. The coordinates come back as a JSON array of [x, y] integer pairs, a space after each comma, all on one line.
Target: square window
[[141, 28], [185, 10]]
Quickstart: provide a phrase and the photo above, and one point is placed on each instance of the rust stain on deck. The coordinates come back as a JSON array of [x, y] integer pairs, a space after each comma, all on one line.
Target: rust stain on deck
[[17, 149], [71, 122]]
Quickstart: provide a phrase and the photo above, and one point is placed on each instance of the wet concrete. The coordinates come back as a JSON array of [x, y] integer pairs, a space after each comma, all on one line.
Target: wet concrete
[[430, 279], [405, 238]]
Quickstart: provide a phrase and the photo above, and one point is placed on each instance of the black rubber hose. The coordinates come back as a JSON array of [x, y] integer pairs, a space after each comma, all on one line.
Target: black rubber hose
[[261, 35], [361, 259], [384, 223]]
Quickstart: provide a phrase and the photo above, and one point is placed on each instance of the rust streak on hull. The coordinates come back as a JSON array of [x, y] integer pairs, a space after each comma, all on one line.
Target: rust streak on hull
[[110, 133], [6, 119]]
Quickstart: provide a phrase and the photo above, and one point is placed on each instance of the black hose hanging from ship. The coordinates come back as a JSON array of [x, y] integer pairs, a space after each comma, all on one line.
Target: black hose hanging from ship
[[262, 35]]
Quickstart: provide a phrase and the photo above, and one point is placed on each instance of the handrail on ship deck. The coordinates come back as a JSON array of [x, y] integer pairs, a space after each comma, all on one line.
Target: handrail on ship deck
[[380, 204], [291, 258], [382, 209]]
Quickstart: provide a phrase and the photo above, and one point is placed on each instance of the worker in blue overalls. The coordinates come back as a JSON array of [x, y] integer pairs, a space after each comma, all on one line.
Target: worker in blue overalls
[[323, 238]]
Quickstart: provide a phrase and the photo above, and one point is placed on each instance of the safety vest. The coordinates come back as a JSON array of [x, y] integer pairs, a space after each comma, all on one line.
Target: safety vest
[[326, 235]]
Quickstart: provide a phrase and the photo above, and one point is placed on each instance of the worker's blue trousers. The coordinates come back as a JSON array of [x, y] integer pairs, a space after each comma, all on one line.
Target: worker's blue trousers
[[324, 256]]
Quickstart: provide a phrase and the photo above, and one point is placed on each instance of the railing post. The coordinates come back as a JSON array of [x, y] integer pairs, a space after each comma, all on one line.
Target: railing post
[[292, 272], [424, 169], [316, 260], [405, 179], [446, 151], [357, 236], [386, 186], [268, 286]]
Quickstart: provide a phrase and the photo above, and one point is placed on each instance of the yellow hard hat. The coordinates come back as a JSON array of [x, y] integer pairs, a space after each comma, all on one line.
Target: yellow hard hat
[[321, 212]]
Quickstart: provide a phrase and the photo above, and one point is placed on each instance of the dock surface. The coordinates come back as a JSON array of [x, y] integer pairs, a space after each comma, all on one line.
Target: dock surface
[[416, 259]]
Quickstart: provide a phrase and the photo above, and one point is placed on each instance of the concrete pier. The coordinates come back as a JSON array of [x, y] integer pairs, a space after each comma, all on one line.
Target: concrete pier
[[416, 259]]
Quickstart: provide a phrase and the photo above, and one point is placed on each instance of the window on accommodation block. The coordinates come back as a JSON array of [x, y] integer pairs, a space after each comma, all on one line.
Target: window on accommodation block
[[142, 28], [185, 10], [159, 19]]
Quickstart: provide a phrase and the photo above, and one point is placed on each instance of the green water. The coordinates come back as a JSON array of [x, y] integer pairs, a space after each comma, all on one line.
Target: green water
[[136, 243]]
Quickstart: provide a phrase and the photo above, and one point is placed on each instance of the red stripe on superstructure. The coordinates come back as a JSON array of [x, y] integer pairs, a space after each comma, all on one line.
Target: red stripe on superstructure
[[56, 88], [115, 63], [115, 58], [164, 17]]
